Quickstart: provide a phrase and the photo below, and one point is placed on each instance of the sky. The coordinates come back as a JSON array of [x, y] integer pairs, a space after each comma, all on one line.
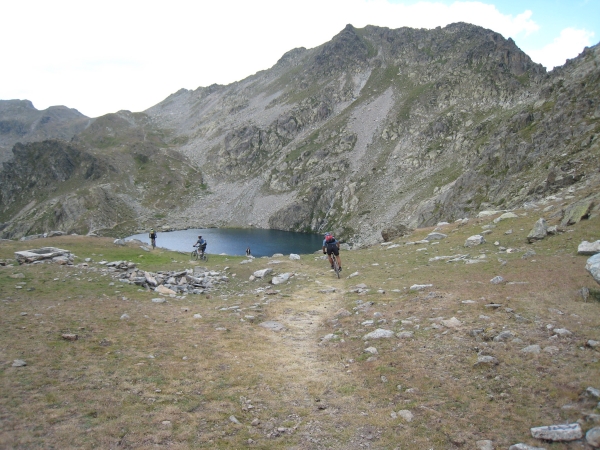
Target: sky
[[104, 56]]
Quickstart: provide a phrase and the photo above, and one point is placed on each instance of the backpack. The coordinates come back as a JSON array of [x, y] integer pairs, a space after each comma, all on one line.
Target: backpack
[[330, 239]]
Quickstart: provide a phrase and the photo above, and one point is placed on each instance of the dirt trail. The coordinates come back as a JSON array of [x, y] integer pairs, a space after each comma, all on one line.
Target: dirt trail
[[304, 315]]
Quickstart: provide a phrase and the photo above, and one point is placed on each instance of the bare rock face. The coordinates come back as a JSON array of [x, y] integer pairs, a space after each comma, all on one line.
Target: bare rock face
[[21, 122]]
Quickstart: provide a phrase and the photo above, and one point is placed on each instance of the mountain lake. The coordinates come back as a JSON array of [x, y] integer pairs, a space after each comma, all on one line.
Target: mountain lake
[[234, 241]]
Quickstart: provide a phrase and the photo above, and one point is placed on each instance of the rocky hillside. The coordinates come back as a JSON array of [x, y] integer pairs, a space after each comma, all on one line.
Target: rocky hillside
[[115, 173], [372, 132], [21, 122]]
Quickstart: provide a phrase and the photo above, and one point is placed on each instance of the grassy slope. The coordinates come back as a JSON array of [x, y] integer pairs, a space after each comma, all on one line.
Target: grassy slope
[[104, 391]]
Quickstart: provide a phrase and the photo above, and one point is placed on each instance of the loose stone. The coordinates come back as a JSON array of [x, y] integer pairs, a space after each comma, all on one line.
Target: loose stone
[[570, 432]]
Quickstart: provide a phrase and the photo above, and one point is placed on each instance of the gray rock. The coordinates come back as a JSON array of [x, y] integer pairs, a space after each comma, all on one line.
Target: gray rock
[[569, 432], [535, 349], [272, 325], [503, 336], [293, 256], [497, 280], [405, 414], [280, 279], [593, 392], [524, 447], [588, 248], [487, 213], [158, 300], [539, 231], [233, 419], [420, 287], [486, 360], [577, 211], [475, 240], [484, 445], [262, 273], [593, 267], [125, 317], [405, 335], [562, 332], [592, 437], [435, 236], [19, 363], [120, 242], [40, 254], [379, 334], [451, 323], [508, 215]]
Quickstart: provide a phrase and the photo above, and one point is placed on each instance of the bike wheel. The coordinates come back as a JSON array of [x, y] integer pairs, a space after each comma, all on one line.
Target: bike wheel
[[204, 257], [336, 267], [194, 255]]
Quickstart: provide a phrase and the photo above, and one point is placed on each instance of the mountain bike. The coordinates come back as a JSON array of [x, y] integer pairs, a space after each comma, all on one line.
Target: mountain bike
[[199, 255], [153, 242], [336, 266]]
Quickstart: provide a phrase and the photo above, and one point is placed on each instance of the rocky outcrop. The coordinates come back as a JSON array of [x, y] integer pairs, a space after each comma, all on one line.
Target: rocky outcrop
[[21, 122]]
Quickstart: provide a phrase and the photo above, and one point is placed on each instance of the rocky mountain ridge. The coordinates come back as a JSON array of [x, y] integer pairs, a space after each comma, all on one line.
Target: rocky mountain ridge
[[376, 130], [21, 122]]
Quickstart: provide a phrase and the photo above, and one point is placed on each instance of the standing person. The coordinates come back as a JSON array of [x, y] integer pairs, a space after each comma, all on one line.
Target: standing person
[[248, 251], [332, 245], [152, 237], [201, 244]]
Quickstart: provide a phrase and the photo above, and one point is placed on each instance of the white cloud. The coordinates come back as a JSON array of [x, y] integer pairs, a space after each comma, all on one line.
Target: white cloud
[[102, 56], [568, 45]]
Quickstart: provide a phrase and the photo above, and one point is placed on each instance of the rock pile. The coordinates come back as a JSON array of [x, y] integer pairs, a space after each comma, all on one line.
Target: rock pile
[[44, 254], [196, 281]]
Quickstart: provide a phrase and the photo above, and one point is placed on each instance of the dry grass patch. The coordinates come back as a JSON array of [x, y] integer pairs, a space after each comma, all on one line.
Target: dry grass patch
[[165, 378]]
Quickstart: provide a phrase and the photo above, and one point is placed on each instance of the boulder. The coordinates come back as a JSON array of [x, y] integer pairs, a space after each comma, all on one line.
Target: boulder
[[379, 333], [539, 231], [577, 211], [474, 240], [262, 273], [568, 432], [593, 267], [280, 279], [593, 437], [508, 215], [588, 248], [392, 233]]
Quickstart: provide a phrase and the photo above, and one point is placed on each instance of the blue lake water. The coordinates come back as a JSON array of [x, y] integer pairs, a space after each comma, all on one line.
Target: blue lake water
[[234, 241]]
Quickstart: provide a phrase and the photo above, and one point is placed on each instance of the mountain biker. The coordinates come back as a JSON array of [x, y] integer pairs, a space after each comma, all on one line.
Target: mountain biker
[[152, 236], [332, 245], [201, 244]]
